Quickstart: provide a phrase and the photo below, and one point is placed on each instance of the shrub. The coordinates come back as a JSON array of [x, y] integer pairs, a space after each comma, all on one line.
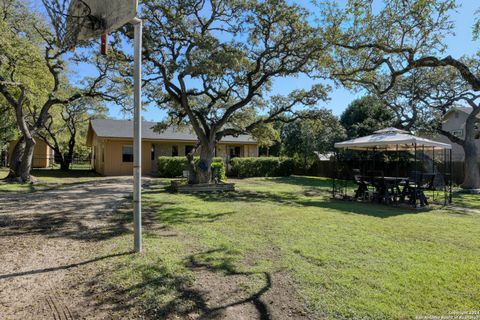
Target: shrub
[[261, 167], [171, 167], [220, 167]]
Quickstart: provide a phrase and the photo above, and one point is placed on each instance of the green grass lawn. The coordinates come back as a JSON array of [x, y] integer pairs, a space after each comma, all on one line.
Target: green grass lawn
[[47, 178], [348, 260], [466, 200]]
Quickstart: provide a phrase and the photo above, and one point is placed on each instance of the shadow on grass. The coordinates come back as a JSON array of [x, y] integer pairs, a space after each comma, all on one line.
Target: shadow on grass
[[294, 199], [172, 213], [347, 207], [63, 267], [189, 301], [303, 181], [466, 200]]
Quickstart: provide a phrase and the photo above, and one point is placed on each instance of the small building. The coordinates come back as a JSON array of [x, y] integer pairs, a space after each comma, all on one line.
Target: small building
[[112, 146], [43, 155]]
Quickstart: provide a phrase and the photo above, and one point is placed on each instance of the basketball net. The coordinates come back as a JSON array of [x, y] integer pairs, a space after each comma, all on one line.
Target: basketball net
[[68, 25]]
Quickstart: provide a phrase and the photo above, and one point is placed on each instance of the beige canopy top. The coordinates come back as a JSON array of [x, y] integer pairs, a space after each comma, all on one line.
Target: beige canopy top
[[391, 139]]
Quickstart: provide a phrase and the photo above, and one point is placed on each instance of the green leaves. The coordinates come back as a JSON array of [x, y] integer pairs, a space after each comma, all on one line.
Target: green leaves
[[216, 60], [366, 115], [374, 41], [317, 132]]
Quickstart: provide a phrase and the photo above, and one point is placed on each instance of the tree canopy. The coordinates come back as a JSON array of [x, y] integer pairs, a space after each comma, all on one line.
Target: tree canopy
[[303, 138], [212, 63], [376, 49], [365, 115], [34, 77]]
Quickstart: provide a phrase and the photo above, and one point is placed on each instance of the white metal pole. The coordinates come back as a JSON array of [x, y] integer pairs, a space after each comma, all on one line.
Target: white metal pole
[[137, 137]]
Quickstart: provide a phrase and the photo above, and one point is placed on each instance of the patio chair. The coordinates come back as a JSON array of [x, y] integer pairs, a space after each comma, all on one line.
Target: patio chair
[[415, 190], [362, 191], [377, 179]]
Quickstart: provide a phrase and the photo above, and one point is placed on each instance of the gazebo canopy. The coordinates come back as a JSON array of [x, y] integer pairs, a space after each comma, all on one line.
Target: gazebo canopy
[[391, 139]]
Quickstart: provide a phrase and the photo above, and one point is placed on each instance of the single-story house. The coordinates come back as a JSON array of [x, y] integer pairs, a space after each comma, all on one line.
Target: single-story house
[[112, 146], [43, 155]]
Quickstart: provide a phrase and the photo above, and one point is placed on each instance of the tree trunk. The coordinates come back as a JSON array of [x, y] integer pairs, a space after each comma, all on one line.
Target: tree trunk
[[68, 157], [16, 159], [192, 172], [471, 169], [25, 167], [201, 171], [65, 164], [22, 172], [204, 165]]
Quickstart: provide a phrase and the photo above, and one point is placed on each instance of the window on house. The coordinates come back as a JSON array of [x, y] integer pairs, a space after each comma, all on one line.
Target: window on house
[[174, 151], [457, 133], [152, 153], [188, 149], [127, 154], [234, 152]]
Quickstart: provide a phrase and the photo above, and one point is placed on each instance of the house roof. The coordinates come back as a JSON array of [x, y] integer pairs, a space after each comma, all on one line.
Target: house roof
[[466, 110], [107, 128], [390, 141]]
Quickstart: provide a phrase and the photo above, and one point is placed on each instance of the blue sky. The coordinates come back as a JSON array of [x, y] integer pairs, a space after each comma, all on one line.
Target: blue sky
[[459, 44]]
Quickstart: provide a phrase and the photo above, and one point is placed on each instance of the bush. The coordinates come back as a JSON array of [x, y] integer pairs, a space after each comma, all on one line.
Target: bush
[[220, 167], [261, 167], [172, 167]]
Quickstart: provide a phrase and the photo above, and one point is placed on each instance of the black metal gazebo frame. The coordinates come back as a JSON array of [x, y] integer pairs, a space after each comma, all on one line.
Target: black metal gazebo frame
[[380, 143]]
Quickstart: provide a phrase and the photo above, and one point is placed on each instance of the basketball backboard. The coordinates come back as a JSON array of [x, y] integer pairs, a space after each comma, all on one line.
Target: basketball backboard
[[80, 20], [99, 17]]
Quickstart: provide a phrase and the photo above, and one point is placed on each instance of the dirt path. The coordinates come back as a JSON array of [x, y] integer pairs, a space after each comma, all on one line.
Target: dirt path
[[50, 250], [53, 262]]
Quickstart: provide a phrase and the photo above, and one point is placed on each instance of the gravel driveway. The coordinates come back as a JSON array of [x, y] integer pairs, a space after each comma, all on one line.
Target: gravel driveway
[[51, 250]]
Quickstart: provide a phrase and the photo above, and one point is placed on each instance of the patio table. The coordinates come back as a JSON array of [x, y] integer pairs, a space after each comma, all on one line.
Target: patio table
[[395, 141], [387, 189]]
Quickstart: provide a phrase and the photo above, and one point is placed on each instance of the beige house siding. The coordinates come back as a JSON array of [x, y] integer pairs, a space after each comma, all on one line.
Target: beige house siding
[[246, 150], [108, 159], [164, 148], [107, 154], [42, 154], [455, 123], [252, 151]]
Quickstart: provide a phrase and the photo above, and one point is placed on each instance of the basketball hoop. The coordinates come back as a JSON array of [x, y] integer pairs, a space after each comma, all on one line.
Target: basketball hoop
[[67, 22], [81, 20], [75, 21]]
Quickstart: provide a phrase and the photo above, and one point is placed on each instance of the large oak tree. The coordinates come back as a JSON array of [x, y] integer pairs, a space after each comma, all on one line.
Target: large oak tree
[[212, 63], [375, 46], [34, 77]]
